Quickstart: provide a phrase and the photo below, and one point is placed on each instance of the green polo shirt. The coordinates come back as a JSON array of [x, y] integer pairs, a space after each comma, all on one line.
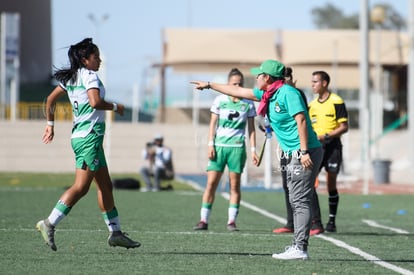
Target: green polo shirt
[[283, 106]]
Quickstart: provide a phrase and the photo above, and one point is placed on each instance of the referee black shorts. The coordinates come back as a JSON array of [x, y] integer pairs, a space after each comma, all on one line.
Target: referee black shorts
[[332, 156]]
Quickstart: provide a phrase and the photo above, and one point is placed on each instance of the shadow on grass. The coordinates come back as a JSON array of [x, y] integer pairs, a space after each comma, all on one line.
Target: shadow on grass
[[209, 253]]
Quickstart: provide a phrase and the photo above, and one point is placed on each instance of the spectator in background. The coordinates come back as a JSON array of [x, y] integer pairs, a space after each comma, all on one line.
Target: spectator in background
[[159, 164]]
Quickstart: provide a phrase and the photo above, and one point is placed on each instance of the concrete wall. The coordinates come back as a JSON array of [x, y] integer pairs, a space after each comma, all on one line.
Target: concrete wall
[[22, 150]]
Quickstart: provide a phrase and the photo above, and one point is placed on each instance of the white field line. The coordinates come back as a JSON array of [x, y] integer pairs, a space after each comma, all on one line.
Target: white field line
[[375, 224], [336, 242], [366, 256], [193, 184], [257, 209]]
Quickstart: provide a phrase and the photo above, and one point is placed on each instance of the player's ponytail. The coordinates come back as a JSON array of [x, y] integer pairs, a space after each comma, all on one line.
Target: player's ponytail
[[76, 54]]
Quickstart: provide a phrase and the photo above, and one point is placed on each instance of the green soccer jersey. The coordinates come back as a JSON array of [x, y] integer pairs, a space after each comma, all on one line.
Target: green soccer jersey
[[85, 118], [283, 106], [232, 120]]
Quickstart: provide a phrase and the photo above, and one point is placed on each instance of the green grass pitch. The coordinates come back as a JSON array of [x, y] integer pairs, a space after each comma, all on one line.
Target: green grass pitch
[[163, 223]]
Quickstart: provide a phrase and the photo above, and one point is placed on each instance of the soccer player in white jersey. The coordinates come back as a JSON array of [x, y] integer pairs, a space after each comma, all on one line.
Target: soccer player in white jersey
[[226, 147], [86, 93]]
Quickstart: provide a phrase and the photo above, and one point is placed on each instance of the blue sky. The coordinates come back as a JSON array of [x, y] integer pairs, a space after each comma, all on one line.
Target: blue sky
[[128, 32]]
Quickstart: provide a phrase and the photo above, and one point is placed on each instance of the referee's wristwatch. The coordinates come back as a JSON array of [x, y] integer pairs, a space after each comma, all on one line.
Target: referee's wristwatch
[[304, 152], [326, 137]]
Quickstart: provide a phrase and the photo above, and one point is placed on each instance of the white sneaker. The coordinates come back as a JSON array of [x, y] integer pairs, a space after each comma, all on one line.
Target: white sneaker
[[292, 253], [48, 233]]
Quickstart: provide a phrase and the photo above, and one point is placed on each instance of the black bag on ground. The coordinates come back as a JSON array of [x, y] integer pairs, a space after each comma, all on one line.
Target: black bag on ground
[[128, 183]]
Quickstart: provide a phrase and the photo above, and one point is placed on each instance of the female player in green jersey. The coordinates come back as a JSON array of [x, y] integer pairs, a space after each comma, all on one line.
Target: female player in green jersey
[[86, 94], [226, 147]]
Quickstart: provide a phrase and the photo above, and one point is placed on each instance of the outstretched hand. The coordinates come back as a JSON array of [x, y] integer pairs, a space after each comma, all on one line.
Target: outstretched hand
[[200, 85]]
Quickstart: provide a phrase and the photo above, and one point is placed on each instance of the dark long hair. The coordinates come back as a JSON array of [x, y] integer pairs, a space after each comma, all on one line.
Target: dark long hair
[[236, 71], [76, 53], [289, 74]]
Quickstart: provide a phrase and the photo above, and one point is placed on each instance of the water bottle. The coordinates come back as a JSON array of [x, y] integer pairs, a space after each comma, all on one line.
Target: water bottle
[[268, 128]]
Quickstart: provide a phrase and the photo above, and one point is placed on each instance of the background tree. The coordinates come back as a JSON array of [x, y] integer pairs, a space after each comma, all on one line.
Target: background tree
[[393, 20], [331, 17]]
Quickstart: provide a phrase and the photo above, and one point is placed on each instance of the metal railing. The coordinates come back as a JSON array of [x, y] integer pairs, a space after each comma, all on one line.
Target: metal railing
[[36, 111]]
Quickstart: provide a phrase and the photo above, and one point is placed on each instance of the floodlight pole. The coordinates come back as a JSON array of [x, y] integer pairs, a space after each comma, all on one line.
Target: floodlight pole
[[97, 22], [363, 95], [378, 16], [163, 69], [2, 66], [411, 83]]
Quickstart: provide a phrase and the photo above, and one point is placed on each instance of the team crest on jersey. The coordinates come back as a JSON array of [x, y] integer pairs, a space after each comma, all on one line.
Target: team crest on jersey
[[277, 108]]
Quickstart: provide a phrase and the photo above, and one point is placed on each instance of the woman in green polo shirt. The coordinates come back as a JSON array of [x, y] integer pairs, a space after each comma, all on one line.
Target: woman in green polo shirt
[[289, 118]]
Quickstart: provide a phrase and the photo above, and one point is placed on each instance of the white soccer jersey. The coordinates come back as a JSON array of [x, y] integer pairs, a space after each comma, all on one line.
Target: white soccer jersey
[[232, 121], [85, 118]]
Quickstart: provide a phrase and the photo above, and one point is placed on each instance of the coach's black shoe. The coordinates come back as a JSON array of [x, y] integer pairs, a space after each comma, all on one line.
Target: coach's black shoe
[[201, 226], [330, 227]]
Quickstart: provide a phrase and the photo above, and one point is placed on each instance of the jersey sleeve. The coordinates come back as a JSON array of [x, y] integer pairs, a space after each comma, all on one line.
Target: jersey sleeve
[[258, 93], [90, 79], [341, 112], [63, 86], [252, 109], [294, 102], [215, 107]]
